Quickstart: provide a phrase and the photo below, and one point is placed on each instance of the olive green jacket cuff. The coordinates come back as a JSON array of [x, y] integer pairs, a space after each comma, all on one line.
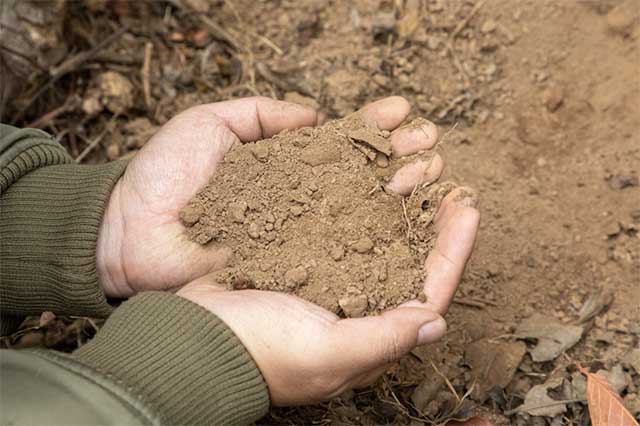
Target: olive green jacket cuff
[[52, 209], [180, 360]]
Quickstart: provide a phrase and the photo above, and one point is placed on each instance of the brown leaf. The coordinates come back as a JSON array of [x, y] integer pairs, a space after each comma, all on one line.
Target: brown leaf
[[605, 405]]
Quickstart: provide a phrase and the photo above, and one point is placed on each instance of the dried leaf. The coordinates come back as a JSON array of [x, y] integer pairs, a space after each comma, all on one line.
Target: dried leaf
[[605, 405], [553, 336]]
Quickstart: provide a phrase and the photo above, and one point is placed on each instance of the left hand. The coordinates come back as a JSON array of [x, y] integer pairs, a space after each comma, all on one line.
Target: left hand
[[142, 244]]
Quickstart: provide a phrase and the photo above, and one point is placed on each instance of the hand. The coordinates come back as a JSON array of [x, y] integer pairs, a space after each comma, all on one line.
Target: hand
[[307, 354], [142, 244]]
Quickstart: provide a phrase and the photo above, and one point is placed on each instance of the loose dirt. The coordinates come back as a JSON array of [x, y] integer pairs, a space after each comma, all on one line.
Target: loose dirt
[[306, 212]]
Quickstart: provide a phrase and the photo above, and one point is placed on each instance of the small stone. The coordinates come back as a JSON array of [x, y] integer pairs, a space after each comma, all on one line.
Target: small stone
[[253, 230], [382, 160], [363, 245], [191, 213], [269, 218], [612, 229], [296, 277], [116, 91], [433, 42], [381, 80], [553, 98], [354, 306], [268, 226], [488, 26], [113, 151], [337, 253], [296, 210], [238, 210], [621, 18], [260, 150]]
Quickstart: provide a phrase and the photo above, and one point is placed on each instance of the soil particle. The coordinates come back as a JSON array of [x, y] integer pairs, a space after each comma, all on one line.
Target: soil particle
[[354, 306], [191, 214], [310, 212]]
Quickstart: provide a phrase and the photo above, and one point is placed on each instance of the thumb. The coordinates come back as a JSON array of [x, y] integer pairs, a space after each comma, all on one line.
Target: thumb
[[370, 342]]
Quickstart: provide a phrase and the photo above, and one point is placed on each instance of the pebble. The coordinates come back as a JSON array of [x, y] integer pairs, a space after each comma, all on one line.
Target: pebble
[[113, 151], [260, 150], [296, 277], [488, 26], [237, 211], [191, 213], [296, 210], [622, 17], [337, 253], [253, 230], [363, 245], [553, 98], [354, 306]]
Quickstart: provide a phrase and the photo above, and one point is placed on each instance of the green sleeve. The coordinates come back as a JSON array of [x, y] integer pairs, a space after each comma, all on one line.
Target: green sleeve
[[158, 358], [51, 213]]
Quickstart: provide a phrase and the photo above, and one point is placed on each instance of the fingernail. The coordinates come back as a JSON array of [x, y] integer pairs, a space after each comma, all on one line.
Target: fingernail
[[467, 198], [432, 331]]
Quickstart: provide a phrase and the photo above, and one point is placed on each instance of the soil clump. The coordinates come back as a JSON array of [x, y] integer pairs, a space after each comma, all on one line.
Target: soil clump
[[306, 212]]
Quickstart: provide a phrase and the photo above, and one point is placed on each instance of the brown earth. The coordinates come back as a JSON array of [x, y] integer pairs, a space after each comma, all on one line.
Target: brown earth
[[307, 212], [545, 99]]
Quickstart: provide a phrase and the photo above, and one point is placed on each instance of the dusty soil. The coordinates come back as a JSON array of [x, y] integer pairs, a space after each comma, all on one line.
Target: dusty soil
[[545, 100], [307, 212]]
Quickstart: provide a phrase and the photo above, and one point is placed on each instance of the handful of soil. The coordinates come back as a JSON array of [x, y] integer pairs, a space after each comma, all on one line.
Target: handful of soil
[[306, 212]]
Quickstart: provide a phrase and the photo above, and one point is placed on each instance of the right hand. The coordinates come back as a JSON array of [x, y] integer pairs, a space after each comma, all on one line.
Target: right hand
[[307, 354]]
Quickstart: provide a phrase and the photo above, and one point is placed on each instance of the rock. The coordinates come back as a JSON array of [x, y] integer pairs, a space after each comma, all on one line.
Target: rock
[[488, 26], [621, 19], [191, 213], [238, 211], [113, 151], [296, 277], [363, 245], [538, 397], [253, 230], [632, 403], [553, 98], [553, 336], [337, 253], [354, 306], [260, 150], [116, 91], [632, 359], [612, 229], [296, 210], [493, 364]]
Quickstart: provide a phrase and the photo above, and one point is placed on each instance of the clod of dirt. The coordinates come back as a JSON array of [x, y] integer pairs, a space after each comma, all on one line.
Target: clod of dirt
[[306, 212], [632, 359], [493, 364], [553, 336]]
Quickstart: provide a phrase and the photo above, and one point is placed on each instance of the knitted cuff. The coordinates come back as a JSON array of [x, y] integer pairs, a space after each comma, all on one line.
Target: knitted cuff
[[180, 360], [51, 218]]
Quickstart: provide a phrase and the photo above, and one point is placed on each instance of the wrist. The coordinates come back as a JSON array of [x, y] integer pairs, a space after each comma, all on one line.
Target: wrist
[[109, 258]]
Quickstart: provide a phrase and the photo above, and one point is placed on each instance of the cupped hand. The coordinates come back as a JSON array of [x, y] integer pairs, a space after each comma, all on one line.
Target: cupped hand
[[307, 354], [142, 244]]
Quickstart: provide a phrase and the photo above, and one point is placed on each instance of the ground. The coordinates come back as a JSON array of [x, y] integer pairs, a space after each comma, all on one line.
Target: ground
[[539, 105]]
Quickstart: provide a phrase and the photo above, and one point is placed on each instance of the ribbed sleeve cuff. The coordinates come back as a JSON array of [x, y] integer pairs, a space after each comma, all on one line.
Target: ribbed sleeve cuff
[[180, 360], [51, 218]]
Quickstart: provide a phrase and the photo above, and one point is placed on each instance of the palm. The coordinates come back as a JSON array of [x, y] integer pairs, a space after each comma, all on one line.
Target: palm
[[142, 245]]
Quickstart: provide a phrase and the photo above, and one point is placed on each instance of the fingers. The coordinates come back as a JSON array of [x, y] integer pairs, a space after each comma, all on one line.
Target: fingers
[[387, 113], [457, 225], [259, 117], [371, 342], [420, 136], [408, 176]]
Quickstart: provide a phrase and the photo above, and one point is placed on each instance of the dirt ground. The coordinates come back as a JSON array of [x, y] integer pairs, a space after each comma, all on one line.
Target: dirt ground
[[540, 100]]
